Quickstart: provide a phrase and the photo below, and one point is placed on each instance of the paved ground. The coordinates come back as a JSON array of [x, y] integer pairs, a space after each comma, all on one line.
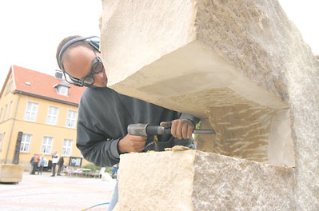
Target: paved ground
[[42, 192]]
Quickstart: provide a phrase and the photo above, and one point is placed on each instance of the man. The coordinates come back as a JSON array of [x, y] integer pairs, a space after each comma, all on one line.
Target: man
[[60, 165], [34, 163], [55, 159], [105, 114]]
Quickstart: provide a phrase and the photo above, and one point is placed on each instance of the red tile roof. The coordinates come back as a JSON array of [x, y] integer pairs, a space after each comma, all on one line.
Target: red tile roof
[[41, 85]]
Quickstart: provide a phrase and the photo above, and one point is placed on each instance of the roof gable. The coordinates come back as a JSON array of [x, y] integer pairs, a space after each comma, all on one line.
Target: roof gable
[[42, 85]]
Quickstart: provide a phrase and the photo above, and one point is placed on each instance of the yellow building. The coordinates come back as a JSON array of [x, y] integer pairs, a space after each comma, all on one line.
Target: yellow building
[[38, 114]]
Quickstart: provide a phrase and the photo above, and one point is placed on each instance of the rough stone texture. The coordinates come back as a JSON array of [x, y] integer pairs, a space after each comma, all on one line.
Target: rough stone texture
[[240, 66], [195, 180], [201, 58], [11, 173]]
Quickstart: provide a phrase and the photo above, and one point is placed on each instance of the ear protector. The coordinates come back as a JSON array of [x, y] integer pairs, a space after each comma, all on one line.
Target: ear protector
[[93, 41]]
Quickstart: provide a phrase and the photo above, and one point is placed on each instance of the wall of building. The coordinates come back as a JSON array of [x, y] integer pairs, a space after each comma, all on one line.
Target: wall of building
[[8, 107], [13, 120]]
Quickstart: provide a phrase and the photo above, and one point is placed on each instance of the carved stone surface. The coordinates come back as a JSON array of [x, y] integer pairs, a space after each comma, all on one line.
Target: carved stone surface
[[208, 58], [195, 180], [240, 66]]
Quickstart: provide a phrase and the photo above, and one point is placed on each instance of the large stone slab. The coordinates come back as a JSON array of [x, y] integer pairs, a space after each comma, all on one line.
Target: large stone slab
[[215, 60], [195, 180], [241, 66]]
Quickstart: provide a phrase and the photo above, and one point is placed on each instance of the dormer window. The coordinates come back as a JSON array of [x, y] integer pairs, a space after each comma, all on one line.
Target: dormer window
[[63, 87], [62, 90]]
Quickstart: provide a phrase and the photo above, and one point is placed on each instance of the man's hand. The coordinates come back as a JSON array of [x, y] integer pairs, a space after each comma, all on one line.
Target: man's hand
[[180, 128], [131, 143]]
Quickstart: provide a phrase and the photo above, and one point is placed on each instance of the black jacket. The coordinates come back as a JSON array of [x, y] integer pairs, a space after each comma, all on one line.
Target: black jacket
[[104, 116]]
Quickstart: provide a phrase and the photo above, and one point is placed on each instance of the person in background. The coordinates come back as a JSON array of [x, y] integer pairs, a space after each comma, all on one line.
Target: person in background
[[55, 159], [105, 114], [34, 163], [60, 165], [114, 171], [42, 162]]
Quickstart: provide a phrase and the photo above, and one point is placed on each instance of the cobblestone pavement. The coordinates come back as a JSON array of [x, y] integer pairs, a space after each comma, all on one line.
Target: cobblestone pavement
[[42, 192]]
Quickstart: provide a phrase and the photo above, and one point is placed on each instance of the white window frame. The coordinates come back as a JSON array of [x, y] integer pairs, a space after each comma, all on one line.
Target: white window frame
[[25, 142], [70, 119], [52, 115], [47, 145], [67, 147], [31, 111], [63, 90]]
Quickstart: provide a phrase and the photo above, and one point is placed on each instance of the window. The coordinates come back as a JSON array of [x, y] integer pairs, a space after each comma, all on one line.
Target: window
[[25, 142], [70, 119], [46, 146], [52, 115], [67, 147], [63, 90], [31, 111]]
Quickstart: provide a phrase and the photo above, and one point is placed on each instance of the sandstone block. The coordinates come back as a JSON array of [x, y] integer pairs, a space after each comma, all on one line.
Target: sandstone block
[[195, 180], [241, 66], [216, 60], [11, 173]]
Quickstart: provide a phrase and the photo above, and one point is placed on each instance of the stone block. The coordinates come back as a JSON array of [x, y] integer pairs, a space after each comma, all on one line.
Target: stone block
[[241, 66], [195, 180], [216, 60], [11, 173]]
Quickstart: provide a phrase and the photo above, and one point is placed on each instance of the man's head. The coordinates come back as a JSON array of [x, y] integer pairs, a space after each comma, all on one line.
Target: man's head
[[78, 58]]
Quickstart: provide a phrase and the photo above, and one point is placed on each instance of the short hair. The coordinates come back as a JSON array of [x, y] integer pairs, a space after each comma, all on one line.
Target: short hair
[[68, 43]]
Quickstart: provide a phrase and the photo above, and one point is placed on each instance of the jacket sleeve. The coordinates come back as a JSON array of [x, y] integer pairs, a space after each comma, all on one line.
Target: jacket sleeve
[[96, 148], [190, 117], [93, 139]]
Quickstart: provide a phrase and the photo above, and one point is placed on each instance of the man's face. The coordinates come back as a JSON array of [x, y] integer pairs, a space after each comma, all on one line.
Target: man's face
[[78, 63]]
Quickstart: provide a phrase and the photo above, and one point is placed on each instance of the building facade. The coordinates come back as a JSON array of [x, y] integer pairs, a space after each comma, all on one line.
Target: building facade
[[38, 114]]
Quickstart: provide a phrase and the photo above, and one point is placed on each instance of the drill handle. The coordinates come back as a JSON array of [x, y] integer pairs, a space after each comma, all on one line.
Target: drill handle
[[147, 130], [157, 130], [151, 130]]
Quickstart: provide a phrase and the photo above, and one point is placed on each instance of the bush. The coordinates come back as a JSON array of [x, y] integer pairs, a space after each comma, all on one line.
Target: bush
[[92, 167]]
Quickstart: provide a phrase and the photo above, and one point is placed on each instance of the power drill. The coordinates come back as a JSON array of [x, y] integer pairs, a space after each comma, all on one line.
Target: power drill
[[152, 130]]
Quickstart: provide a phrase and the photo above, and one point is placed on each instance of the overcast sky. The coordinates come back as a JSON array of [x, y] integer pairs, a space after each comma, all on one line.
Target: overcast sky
[[32, 29]]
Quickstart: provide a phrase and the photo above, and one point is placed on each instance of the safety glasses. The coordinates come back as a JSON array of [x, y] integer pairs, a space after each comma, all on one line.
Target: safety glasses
[[96, 68]]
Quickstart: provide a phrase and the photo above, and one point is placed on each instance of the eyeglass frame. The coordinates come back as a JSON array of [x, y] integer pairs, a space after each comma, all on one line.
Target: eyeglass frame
[[95, 45], [82, 82]]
